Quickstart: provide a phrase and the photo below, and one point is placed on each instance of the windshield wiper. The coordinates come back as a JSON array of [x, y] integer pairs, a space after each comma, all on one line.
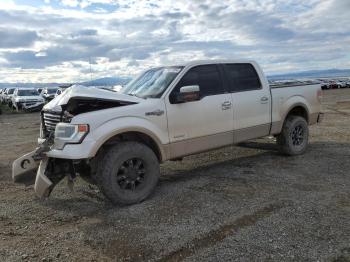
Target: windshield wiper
[[133, 94], [112, 90]]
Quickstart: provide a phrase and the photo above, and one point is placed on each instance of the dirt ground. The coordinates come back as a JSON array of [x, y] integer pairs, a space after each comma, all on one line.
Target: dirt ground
[[240, 203]]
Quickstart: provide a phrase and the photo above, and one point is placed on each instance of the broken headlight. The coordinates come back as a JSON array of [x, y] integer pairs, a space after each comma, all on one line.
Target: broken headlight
[[66, 133]]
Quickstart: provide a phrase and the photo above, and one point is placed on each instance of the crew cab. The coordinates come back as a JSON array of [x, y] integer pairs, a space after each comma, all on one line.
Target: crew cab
[[27, 99], [117, 139]]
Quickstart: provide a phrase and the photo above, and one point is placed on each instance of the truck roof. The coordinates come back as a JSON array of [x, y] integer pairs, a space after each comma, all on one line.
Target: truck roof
[[219, 61]]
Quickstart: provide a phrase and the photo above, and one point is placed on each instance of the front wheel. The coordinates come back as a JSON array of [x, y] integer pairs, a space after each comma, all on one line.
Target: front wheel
[[128, 173], [293, 139]]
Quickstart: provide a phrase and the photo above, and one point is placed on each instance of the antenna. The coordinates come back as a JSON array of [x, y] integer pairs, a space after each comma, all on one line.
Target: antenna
[[90, 68]]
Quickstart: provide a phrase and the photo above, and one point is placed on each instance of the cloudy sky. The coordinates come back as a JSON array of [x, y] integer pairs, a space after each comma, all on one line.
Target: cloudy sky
[[54, 40]]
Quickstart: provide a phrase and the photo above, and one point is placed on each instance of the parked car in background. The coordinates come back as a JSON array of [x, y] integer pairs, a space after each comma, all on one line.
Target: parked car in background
[[27, 99], [342, 83], [3, 96], [2, 91], [61, 89], [8, 96], [333, 84], [348, 83], [324, 84], [48, 93]]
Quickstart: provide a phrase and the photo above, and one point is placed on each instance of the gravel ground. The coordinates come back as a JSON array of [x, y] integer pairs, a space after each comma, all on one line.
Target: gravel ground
[[243, 203]]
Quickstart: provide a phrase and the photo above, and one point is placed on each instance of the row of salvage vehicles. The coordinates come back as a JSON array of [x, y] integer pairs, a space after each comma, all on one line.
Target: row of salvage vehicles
[[28, 99]]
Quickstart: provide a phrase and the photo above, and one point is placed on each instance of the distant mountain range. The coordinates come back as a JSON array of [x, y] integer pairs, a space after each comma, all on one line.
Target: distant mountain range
[[36, 85], [107, 81], [312, 74], [112, 81]]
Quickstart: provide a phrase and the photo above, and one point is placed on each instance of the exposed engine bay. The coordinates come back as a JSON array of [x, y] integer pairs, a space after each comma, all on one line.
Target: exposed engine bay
[[79, 105], [35, 167]]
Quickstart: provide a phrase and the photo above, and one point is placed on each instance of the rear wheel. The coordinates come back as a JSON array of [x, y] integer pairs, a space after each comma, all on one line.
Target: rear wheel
[[293, 139], [128, 173]]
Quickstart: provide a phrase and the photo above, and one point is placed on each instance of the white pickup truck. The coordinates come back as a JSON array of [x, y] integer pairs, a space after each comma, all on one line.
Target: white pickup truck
[[117, 139], [27, 99]]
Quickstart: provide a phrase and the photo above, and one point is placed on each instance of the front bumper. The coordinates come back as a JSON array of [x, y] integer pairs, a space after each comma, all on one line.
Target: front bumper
[[30, 169], [24, 169], [37, 172], [41, 169], [29, 106], [43, 185]]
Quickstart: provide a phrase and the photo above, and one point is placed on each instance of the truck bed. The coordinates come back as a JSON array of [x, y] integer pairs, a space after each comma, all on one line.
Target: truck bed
[[288, 95], [292, 84]]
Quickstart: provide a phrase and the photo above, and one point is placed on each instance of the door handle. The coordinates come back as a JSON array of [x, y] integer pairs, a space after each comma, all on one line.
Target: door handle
[[226, 105], [264, 99]]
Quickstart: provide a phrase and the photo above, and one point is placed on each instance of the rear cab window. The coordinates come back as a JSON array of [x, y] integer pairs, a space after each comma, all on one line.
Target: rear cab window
[[242, 77]]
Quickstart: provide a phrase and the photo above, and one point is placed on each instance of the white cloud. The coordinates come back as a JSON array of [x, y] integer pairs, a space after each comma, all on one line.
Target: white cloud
[[70, 3], [48, 41]]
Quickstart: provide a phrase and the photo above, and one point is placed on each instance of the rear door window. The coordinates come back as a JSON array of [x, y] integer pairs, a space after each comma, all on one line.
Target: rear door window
[[242, 77]]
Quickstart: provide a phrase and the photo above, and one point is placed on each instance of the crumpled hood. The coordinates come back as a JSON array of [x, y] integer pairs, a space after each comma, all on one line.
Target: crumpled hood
[[87, 92]]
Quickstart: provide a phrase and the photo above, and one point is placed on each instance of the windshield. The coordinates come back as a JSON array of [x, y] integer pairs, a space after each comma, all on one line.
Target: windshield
[[51, 91], [30, 92], [151, 83]]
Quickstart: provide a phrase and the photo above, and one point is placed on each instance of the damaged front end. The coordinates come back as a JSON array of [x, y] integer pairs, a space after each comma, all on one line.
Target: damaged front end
[[46, 172], [36, 168], [30, 106], [30, 169]]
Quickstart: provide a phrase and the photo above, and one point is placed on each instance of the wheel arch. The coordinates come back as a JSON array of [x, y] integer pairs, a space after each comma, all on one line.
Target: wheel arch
[[299, 109], [140, 135]]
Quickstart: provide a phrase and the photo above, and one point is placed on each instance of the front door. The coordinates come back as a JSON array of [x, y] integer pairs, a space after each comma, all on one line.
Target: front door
[[204, 124]]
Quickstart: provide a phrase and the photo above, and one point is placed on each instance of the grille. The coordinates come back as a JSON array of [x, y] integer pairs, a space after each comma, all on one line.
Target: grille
[[50, 121], [31, 101]]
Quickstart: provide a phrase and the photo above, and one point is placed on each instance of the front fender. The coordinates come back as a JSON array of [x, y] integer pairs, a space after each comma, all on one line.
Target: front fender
[[97, 137], [130, 124]]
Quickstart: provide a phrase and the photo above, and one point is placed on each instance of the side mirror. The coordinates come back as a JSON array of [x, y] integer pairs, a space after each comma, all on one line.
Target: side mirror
[[186, 94]]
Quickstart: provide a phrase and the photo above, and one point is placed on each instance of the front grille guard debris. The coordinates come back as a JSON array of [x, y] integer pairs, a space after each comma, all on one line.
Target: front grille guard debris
[[43, 148], [45, 173]]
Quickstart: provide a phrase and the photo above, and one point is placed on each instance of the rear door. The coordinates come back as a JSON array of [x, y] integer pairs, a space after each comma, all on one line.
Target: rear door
[[251, 102], [207, 123]]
